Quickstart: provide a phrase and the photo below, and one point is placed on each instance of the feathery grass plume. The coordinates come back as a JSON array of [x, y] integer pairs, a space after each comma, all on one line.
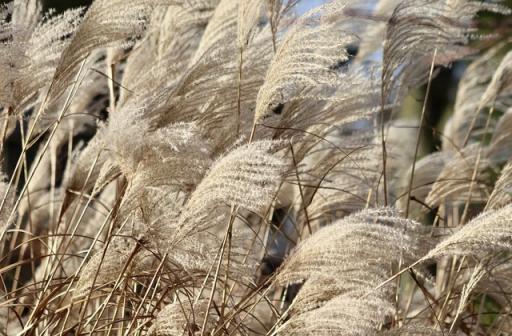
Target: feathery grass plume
[[227, 288], [222, 115], [107, 23], [374, 34], [227, 113], [426, 173], [181, 318], [359, 250], [207, 91], [487, 235], [354, 97], [221, 27], [149, 212], [417, 29], [158, 197], [120, 251], [229, 110], [171, 39], [498, 96], [495, 286], [176, 154], [502, 193], [496, 282], [344, 314], [138, 77], [342, 178], [249, 13], [105, 267], [454, 182], [247, 177], [302, 68], [501, 141], [86, 165], [138, 115], [32, 46], [478, 273], [501, 82], [161, 172], [473, 84], [309, 259], [412, 330], [89, 103], [274, 11], [277, 9], [189, 19], [14, 36], [153, 214]]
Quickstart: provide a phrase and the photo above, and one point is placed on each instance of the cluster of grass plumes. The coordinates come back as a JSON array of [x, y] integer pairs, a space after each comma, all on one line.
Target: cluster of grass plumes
[[230, 167]]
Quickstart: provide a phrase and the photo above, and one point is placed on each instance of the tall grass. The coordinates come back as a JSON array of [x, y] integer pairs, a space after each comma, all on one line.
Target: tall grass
[[228, 167]]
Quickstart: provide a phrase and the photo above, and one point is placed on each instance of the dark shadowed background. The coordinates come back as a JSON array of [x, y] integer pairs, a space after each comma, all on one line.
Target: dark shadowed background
[[64, 4], [60, 5]]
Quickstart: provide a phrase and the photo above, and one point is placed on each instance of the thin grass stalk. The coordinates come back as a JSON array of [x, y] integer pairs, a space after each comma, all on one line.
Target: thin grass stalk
[[476, 167], [418, 136]]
